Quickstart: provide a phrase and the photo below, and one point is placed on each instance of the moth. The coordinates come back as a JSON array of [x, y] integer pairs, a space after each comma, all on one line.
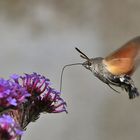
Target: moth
[[117, 68]]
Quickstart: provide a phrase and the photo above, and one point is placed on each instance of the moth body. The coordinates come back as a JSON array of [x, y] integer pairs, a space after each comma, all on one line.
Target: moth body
[[117, 68], [98, 68]]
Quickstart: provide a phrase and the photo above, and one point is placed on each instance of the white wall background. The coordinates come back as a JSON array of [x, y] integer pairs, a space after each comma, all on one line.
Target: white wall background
[[40, 36]]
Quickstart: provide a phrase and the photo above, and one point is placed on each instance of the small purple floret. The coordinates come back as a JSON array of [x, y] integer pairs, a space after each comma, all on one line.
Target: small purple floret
[[11, 93], [9, 129]]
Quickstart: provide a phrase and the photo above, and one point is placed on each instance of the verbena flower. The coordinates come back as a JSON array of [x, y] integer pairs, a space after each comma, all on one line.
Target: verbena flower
[[11, 94], [41, 94], [43, 97], [24, 98], [9, 129]]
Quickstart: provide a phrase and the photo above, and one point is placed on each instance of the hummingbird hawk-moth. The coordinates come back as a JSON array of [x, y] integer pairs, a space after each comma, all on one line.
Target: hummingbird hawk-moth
[[117, 68]]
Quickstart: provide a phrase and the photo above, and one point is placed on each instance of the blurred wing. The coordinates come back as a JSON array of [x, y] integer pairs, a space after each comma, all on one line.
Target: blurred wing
[[125, 59], [120, 66]]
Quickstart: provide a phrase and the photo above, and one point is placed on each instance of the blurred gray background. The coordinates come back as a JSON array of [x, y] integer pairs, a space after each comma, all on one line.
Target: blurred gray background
[[40, 36]]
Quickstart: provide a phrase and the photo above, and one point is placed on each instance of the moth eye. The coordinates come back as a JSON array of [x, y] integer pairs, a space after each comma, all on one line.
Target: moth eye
[[89, 63]]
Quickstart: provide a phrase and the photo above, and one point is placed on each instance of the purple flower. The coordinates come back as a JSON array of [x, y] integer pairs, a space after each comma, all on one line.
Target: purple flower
[[35, 83], [9, 129], [45, 98], [11, 94], [22, 99], [54, 103]]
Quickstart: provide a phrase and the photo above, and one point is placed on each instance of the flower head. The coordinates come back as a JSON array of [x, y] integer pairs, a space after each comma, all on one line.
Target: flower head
[[43, 98], [26, 97], [11, 94], [35, 83], [41, 93]]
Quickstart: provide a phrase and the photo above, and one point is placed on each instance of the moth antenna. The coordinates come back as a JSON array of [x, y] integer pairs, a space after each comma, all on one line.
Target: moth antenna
[[61, 78], [82, 54], [83, 57]]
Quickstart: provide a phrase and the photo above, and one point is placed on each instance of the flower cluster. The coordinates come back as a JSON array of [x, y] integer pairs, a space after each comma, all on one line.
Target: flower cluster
[[23, 98], [41, 93], [11, 94]]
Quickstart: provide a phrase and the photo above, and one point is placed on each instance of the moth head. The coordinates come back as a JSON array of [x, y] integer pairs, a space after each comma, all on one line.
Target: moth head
[[94, 64], [88, 64]]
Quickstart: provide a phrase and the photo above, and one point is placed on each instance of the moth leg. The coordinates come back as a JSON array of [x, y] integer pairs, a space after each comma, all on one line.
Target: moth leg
[[113, 88]]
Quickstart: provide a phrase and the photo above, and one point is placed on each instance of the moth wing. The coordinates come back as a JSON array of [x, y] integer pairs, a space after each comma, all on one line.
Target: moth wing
[[120, 66], [125, 59]]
